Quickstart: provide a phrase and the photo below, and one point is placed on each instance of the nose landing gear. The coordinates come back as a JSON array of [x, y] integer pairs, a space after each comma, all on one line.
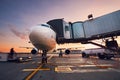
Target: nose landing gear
[[44, 57]]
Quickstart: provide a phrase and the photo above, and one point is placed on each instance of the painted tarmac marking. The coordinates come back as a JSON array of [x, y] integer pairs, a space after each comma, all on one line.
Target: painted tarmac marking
[[33, 62], [36, 70], [33, 73], [63, 69], [116, 70], [86, 71], [50, 57], [67, 69]]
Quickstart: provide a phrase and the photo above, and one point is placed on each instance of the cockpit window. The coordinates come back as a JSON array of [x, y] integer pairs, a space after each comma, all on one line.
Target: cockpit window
[[45, 25]]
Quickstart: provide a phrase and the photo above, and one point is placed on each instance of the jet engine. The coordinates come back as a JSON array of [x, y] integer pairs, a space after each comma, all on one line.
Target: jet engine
[[67, 51], [34, 51]]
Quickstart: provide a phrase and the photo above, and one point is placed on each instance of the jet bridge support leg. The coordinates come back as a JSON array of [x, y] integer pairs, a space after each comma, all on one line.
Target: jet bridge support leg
[[112, 46]]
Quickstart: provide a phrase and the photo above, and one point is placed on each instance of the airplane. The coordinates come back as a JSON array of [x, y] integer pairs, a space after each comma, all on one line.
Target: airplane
[[43, 38]]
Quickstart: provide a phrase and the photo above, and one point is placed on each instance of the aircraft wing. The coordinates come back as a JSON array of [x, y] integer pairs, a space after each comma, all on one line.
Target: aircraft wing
[[26, 47]]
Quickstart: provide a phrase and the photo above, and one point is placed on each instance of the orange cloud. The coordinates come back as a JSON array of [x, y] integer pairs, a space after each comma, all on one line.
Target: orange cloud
[[21, 35], [18, 34], [1, 34]]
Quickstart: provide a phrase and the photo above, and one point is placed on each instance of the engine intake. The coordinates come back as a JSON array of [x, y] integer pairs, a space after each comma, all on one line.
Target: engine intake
[[67, 51], [34, 51]]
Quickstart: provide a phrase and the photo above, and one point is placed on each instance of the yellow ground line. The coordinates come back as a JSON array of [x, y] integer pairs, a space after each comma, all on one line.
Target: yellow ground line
[[36, 70], [33, 73], [50, 57]]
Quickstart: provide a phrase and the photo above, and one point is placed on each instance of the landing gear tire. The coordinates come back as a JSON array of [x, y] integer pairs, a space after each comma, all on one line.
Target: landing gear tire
[[108, 57], [101, 56], [83, 55], [44, 60]]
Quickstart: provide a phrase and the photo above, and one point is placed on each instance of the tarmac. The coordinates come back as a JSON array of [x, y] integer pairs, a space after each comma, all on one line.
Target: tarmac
[[68, 67]]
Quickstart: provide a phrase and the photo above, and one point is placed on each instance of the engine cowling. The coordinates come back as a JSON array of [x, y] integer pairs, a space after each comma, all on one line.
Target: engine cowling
[[34, 51]]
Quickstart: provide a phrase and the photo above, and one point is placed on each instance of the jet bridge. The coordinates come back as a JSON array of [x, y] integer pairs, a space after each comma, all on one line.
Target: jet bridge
[[82, 31]]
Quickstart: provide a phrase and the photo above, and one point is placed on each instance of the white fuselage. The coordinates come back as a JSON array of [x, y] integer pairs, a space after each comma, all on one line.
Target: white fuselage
[[43, 37]]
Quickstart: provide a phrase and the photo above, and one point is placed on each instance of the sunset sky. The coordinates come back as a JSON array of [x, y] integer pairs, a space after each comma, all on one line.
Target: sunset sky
[[18, 16]]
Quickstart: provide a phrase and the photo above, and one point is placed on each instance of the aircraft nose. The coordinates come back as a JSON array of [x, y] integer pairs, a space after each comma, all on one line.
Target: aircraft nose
[[39, 36], [43, 37], [37, 33]]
